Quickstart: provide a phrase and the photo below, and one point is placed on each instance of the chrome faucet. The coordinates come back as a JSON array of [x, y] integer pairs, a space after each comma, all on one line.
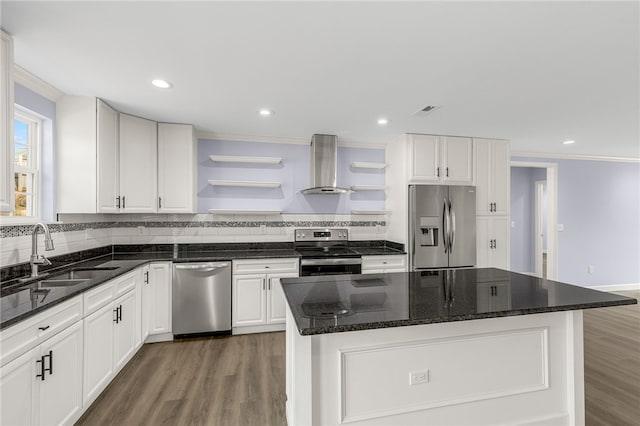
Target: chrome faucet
[[38, 259]]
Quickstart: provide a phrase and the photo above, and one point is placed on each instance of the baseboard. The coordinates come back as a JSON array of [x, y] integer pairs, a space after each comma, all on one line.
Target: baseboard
[[155, 338], [559, 419], [617, 287]]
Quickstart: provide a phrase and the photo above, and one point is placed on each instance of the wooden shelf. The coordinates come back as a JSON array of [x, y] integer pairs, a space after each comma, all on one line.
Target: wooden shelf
[[247, 212], [363, 165], [245, 183], [370, 212], [245, 159], [368, 187]]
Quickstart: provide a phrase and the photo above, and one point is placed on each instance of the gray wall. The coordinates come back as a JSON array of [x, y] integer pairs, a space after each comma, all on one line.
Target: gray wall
[[599, 206], [522, 218]]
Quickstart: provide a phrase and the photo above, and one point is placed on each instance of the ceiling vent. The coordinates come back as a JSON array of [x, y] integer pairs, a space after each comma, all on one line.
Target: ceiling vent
[[426, 110]]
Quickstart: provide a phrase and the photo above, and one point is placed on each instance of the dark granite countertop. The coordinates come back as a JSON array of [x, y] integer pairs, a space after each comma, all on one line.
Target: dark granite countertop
[[22, 300], [339, 303]]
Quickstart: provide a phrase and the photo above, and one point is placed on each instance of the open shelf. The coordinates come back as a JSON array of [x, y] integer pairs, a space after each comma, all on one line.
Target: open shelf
[[370, 212], [245, 211], [363, 165], [368, 187], [244, 183], [245, 159]]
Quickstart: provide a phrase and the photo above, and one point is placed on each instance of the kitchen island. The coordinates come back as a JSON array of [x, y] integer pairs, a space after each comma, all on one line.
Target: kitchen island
[[471, 346]]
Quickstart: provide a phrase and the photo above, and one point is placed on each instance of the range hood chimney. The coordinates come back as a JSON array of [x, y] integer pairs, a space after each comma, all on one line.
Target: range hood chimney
[[324, 159]]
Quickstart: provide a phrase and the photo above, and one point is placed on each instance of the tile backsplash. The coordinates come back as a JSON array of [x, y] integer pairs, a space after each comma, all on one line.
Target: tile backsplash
[[81, 232]]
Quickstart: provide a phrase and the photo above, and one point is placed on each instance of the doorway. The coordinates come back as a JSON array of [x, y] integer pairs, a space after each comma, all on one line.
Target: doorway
[[534, 218]]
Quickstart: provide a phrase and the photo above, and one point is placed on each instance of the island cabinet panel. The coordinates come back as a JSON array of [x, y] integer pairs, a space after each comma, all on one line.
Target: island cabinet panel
[[429, 374], [511, 370]]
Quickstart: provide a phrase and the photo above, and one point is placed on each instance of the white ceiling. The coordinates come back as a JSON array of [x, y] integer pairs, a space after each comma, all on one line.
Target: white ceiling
[[537, 73]]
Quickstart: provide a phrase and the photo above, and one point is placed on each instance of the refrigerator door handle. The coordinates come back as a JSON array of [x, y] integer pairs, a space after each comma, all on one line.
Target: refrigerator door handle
[[445, 227], [452, 239]]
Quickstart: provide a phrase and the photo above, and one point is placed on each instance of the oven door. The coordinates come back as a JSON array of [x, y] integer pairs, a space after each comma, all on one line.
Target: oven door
[[330, 266]]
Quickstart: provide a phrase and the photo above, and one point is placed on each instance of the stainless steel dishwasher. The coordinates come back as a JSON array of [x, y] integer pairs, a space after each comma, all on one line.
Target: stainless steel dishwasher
[[201, 298]]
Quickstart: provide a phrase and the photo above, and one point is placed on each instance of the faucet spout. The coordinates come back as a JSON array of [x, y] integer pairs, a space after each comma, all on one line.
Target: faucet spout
[[37, 259]]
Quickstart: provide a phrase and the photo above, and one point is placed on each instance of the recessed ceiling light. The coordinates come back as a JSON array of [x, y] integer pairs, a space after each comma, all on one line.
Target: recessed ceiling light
[[383, 121], [162, 84], [568, 142], [265, 112]]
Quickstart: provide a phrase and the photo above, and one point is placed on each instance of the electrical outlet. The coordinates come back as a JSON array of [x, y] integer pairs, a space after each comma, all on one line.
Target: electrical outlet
[[513, 223], [141, 230], [87, 234], [263, 229], [590, 269], [418, 377]]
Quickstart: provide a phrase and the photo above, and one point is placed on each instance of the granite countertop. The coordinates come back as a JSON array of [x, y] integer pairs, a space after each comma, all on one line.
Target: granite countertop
[[339, 303], [19, 301]]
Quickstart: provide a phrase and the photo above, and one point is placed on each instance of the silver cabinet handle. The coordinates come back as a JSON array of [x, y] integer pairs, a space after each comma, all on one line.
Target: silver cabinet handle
[[445, 227], [452, 213]]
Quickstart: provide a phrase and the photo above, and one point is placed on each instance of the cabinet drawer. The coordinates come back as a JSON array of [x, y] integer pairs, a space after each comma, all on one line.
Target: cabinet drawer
[[254, 266], [126, 282], [27, 334], [385, 262], [98, 297]]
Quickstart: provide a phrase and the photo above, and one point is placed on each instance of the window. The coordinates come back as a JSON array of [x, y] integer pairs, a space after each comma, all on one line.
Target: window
[[27, 137]]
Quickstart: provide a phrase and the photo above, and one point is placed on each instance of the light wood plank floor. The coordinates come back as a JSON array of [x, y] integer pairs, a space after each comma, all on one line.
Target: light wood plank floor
[[239, 380]]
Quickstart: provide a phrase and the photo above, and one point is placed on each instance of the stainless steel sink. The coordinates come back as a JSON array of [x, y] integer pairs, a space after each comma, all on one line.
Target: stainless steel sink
[[61, 283], [81, 274]]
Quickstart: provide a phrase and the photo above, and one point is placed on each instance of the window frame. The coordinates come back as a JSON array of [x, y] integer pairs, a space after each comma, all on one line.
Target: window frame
[[35, 129]]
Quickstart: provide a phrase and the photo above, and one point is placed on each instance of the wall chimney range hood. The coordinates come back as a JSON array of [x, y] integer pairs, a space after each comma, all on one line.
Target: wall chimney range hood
[[324, 159]]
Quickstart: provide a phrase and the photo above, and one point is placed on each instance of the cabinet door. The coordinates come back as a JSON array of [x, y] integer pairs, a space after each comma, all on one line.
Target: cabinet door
[[249, 300], [138, 164], [160, 298], [501, 177], [276, 303], [60, 396], [457, 160], [107, 160], [145, 313], [483, 243], [500, 235], [125, 329], [425, 154], [98, 352], [482, 171], [18, 390], [176, 168], [6, 124]]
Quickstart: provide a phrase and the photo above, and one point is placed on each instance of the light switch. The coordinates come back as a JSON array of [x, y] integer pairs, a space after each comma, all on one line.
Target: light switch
[[560, 227]]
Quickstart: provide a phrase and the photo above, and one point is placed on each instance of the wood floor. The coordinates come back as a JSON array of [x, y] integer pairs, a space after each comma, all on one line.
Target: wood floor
[[240, 380]]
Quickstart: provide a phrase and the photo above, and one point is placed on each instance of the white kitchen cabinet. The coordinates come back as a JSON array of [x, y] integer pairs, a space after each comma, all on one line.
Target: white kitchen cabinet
[[383, 264], [44, 385], [138, 164], [258, 303], [440, 159], [492, 242], [492, 176], [176, 168], [158, 283], [6, 123], [108, 164], [145, 304], [112, 327]]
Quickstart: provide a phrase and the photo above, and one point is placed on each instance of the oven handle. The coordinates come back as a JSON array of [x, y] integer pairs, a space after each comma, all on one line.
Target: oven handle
[[320, 262]]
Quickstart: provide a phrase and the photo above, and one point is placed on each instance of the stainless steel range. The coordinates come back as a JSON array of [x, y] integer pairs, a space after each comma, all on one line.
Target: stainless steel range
[[326, 252]]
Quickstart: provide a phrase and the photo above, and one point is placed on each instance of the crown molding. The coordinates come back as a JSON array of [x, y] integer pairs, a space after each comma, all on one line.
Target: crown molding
[[35, 84], [280, 139], [560, 156]]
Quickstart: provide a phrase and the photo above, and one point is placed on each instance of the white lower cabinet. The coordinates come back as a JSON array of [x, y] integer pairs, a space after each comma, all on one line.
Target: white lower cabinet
[[44, 385], [159, 283], [112, 331], [383, 264], [258, 303], [492, 242]]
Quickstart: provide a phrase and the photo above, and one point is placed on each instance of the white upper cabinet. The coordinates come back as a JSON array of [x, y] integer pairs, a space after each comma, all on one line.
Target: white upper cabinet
[[492, 176], [6, 123], [108, 180], [138, 164], [440, 159], [176, 168]]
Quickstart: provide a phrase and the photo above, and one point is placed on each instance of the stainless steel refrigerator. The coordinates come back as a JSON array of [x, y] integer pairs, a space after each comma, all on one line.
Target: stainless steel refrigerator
[[442, 226]]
